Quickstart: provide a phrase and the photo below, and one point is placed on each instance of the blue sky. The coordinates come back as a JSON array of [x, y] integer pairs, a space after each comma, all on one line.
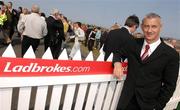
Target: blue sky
[[107, 12]]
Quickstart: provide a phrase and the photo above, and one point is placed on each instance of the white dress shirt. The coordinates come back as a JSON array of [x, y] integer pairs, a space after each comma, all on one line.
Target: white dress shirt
[[80, 34], [152, 48]]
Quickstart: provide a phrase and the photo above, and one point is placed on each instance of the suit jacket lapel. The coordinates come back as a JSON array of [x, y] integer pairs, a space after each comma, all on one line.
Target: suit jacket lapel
[[140, 42]]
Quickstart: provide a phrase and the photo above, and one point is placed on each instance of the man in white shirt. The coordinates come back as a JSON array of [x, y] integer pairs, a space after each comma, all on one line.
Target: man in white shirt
[[79, 37], [34, 28]]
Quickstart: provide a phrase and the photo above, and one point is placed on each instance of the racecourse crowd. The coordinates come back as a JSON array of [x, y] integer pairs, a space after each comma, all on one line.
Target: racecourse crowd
[[32, 25]]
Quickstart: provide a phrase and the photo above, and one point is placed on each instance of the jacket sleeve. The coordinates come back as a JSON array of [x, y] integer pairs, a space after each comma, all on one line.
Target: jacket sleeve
[[126, 46], [122, 50]]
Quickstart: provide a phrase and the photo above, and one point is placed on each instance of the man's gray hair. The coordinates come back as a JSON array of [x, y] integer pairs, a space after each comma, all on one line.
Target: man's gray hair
[[55, 11], [151, 15], [35, 9]]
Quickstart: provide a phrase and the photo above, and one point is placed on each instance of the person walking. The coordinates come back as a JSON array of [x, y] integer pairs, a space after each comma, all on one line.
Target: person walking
[[55, 33], [33, 28]]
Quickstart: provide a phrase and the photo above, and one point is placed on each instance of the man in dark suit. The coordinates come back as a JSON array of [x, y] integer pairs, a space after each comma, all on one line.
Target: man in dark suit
[[112, 41], [152, 68], [12, 16], [55, 33]]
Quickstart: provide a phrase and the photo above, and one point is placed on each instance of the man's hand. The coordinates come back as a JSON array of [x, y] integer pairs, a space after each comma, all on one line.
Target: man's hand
[[118, 70]]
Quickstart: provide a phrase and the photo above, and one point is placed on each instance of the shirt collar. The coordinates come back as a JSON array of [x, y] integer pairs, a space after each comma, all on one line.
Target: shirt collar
[[127, 29], [153, 46], [53, 17]]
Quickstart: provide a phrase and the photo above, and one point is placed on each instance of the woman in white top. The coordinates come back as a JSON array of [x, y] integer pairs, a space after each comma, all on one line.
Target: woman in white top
[[79, 37]]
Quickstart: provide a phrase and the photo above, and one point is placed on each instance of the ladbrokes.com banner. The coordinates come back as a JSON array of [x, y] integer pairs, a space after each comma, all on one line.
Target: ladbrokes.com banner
[[21, 67]]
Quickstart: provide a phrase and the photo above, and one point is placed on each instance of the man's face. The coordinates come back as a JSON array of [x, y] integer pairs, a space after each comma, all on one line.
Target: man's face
[[151, 28], [75, 25], [57, 16], [9, 5]]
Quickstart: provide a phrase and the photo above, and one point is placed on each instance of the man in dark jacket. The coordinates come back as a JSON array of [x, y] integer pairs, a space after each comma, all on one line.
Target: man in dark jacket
[[112, 41], [55, 33], [152, 68], [12, 16]]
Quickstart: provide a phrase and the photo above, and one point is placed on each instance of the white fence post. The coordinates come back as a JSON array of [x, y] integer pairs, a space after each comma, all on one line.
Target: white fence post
[[6, 94], [80, 100], [70, 90], [57, 89], [41, 94], [25, 93]]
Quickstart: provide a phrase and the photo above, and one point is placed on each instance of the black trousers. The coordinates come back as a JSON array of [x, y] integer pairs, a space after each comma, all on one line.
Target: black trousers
[[132, 105], [90, 44], [11, 32], [27, 42], [56, 49], [107, 54]]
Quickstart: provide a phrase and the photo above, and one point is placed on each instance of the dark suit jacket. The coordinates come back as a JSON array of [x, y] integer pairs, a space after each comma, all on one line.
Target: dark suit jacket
[[112, 42], [152, 81], [12, 18], [55, 31]]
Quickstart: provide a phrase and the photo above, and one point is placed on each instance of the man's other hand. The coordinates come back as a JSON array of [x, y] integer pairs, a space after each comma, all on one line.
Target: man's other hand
[[118, 70]]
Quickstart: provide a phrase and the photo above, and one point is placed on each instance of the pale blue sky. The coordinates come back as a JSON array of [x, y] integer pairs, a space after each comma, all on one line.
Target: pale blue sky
[[107, 12]]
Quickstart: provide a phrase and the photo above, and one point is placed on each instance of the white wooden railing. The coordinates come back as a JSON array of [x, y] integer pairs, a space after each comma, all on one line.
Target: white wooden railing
[[87, 92]]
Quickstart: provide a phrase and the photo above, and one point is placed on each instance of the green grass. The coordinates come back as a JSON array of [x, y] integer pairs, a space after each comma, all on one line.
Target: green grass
[[178, 107]]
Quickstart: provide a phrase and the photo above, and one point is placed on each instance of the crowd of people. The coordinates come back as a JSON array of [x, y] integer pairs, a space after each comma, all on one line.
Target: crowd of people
[[32, 25]]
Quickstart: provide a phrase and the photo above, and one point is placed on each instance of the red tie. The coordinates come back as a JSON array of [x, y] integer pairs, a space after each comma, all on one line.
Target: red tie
[[145, 55]]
